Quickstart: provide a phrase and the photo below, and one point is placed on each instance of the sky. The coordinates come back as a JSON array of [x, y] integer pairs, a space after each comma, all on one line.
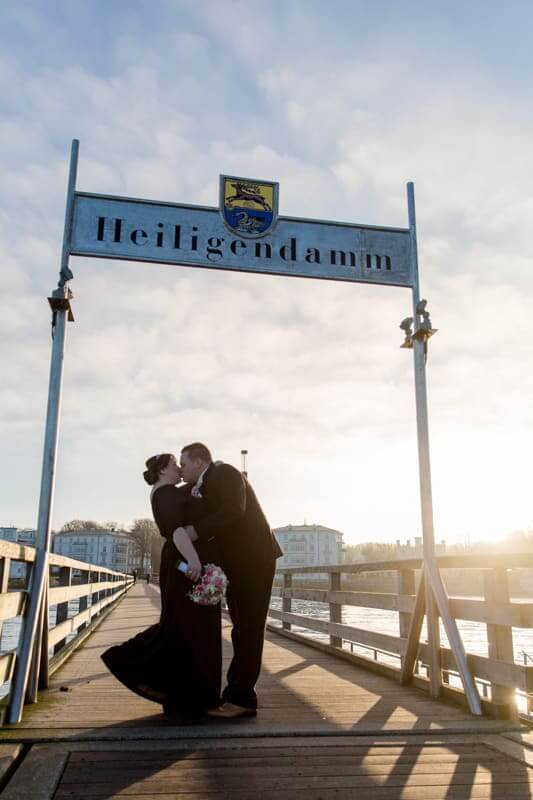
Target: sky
[[342, 102]]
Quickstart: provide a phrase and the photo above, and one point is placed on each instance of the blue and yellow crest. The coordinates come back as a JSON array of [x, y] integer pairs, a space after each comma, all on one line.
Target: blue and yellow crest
[[249, 208]]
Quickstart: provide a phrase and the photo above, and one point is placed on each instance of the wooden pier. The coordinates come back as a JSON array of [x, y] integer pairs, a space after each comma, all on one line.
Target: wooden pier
[[327, 728]]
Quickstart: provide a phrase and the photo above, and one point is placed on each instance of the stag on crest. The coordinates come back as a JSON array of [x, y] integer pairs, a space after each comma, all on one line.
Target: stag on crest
[[249, 192]]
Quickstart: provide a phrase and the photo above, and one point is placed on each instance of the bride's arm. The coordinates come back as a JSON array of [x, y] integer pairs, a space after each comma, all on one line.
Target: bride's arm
[[183, 543], [191, 533]]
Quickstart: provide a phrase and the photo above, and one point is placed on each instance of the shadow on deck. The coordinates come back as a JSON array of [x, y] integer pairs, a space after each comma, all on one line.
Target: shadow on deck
[[325, 729]]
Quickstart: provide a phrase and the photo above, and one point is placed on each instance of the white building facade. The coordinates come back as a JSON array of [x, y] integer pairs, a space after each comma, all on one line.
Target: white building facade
[[112, 549], [9, 534], [308, 545], [24, 536]]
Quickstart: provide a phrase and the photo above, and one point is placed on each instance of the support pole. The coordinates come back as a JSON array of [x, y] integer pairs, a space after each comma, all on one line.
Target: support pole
[[37, 615], [434, 588], [423, 460]]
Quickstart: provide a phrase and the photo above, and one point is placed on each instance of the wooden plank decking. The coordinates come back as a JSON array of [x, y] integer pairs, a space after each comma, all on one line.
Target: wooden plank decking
[[325, 729]]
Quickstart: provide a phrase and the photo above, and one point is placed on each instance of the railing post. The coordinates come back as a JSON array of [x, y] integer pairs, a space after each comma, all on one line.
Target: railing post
[[62, 608], [410, 662], [286, 603], [38, 677], [93, 578], [4, 574], [84, 579], [406, 589], [500, 640], [335, 609]]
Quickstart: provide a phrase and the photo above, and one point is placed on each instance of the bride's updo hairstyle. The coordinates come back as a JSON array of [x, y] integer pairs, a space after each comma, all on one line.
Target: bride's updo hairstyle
[[154, 467]]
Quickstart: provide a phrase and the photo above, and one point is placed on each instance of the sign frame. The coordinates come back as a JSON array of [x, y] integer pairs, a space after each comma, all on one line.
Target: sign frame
[[33, 653]]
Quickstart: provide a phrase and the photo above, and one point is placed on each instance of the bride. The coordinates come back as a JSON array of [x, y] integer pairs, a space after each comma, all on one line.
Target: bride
[[176, 662]]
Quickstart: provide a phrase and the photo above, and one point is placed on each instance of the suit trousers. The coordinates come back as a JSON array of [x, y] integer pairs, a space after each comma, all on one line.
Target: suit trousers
[[248, 599]]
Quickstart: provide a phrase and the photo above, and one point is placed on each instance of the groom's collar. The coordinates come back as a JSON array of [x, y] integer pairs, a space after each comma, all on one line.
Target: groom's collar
[[195, 491], [201, 476]]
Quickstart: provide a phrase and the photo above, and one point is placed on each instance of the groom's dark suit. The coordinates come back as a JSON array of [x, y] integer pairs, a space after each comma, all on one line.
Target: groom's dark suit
[[244, 545]]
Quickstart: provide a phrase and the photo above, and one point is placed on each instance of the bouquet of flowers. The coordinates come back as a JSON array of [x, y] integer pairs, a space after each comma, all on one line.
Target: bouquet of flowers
[[211, 588]]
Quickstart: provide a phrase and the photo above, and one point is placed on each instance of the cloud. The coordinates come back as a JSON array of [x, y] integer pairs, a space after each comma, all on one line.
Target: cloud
[[308, 376]]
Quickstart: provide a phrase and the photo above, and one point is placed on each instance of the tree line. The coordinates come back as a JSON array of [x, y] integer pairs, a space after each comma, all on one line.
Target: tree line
[[520, 541]]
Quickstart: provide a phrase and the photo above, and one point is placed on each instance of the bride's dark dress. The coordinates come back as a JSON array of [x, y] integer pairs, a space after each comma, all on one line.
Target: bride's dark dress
[[176, 662]]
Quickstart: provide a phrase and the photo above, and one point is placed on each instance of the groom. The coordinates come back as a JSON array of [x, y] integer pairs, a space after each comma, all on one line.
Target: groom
[[235, 523]]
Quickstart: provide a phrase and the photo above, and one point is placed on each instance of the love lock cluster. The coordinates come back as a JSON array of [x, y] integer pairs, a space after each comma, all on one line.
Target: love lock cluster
[[422, 324]]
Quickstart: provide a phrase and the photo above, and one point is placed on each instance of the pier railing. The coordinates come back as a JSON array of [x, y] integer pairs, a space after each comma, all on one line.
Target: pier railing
[[78, 593], [503, 682]]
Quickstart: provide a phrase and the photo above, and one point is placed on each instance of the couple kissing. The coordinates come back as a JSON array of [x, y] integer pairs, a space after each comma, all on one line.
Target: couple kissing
[[206, 512]]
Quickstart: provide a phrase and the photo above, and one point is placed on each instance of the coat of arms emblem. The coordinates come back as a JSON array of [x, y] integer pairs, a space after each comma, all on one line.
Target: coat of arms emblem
[[249, 208]]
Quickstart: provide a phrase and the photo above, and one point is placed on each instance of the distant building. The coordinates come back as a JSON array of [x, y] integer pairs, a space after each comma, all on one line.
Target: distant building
[[416, 550], [25, 536], [112, 549], [9, 534], [307, 545], [20, 535]]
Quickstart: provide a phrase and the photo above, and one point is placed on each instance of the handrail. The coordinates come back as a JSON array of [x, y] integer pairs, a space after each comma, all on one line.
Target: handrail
[[92, 587], [481, 561], [495, 610], [26, 553]]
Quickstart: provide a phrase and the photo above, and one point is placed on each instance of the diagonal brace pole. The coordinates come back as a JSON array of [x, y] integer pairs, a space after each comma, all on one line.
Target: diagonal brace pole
[[454, 637]]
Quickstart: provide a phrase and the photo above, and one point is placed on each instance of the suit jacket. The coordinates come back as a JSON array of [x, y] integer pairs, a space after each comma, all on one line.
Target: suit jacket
[[234, 521]]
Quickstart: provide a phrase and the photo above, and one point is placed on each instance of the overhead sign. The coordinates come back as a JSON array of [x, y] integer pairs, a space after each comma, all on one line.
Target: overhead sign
[[244, 234]]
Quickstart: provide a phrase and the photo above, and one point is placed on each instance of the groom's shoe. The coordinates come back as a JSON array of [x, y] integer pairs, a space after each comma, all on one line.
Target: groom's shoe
[[231, 711]]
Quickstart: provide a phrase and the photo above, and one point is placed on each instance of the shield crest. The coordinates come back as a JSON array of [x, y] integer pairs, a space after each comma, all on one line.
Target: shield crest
[[249, 208]]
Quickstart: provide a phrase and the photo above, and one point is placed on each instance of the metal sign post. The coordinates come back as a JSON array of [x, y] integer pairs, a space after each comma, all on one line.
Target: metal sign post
[[244, 234], [426, 500], [436, 599], [37, 615]]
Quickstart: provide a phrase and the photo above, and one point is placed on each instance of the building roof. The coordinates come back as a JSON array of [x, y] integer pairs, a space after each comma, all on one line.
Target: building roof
[[94, 533], [306, 529]]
